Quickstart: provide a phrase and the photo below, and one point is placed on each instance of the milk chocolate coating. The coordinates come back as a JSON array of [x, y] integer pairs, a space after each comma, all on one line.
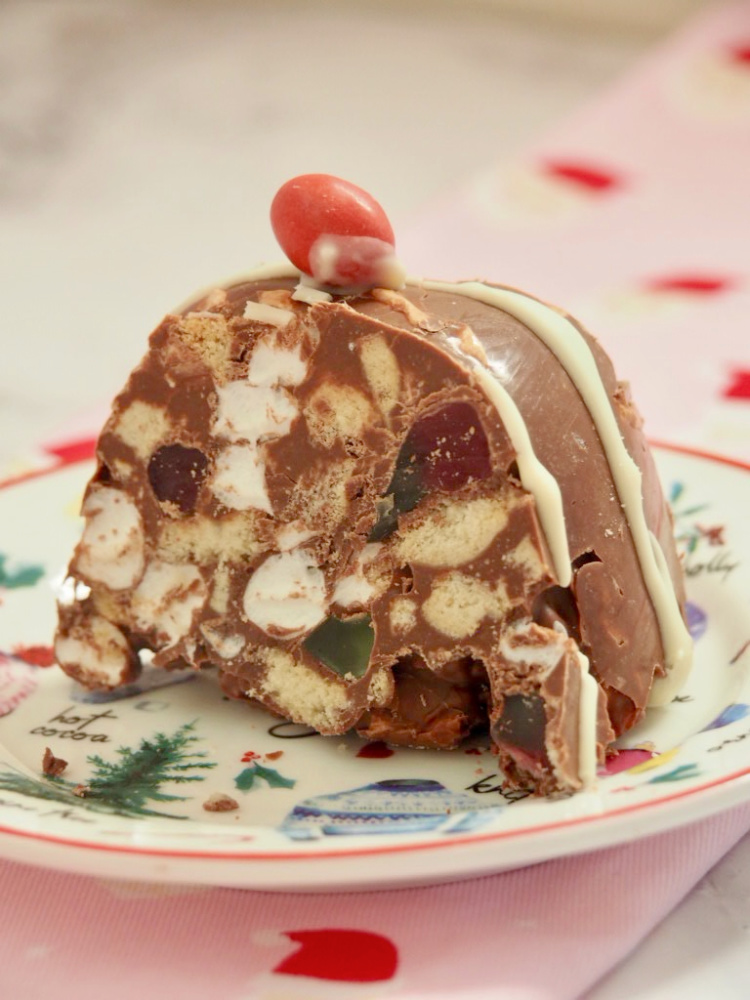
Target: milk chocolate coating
[[322, 502]]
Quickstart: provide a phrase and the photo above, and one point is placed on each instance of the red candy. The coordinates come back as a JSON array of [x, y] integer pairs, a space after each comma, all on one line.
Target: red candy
[[335, 232]]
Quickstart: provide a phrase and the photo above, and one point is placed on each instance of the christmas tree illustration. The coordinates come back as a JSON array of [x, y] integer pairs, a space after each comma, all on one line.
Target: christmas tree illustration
[[125, 785]]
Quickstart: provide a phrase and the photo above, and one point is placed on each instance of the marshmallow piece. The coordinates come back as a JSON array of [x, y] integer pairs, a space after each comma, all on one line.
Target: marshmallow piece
[[289, 536], [227, 646], [252, 413], [96, 652], [239, 480], [286, 594], [271, 365], [111, 549], [167, 597], [354, 587]]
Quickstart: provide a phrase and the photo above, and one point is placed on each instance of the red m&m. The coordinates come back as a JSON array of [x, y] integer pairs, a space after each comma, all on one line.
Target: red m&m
[[335, 232]]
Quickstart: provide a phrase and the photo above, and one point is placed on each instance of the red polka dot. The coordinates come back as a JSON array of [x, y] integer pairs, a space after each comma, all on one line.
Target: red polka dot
[[698, 284], [339, 955], [584, 175], [739, 384], [73, 451], [741, 54]]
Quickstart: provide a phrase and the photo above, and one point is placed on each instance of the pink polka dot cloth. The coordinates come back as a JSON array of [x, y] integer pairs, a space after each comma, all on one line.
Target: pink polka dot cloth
[[635, 215]]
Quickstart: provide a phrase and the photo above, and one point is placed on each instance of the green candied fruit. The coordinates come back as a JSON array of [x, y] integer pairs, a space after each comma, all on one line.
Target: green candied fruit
[[404, 493], [344, 645]]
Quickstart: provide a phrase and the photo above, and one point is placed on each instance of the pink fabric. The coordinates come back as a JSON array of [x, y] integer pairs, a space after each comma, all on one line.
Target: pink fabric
[[542, 933], [653, 256], [635, 214]]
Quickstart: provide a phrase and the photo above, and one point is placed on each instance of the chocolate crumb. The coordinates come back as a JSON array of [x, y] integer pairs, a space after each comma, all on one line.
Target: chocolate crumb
[[52, 766], [220, 803]]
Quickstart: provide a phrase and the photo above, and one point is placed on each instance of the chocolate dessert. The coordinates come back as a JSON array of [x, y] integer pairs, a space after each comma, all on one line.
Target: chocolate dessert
[[412, 511]]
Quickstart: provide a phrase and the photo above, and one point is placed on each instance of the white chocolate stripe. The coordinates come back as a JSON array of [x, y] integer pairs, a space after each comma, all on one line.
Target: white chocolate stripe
[[568, 345], [665, 688], [537, 479], [588, 709]]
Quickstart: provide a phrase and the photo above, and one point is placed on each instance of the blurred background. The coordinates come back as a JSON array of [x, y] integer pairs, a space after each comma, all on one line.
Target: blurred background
[[141, 144]]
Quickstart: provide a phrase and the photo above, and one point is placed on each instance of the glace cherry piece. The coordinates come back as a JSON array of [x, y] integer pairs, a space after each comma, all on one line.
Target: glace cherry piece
[[335, 232], [442, 452]]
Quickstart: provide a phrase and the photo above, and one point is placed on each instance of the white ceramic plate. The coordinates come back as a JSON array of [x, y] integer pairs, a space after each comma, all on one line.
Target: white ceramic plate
[[314, 812]]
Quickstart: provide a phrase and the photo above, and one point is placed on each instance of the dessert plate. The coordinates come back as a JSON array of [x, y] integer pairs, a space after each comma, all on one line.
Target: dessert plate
[[334, 813]]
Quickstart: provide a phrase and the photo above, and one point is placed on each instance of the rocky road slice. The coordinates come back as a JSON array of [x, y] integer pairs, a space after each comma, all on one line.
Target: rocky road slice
[[398, 512]]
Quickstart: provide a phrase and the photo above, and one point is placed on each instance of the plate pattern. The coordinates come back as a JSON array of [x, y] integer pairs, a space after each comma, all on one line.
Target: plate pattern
[[143, 762]]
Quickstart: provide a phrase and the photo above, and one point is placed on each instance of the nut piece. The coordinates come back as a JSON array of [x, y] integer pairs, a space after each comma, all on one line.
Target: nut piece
[[220, 803], [52, 766]]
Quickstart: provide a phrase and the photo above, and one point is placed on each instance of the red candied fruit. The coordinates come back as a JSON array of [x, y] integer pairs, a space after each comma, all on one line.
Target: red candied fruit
[[442, 452], [520, 728], [450, 448]]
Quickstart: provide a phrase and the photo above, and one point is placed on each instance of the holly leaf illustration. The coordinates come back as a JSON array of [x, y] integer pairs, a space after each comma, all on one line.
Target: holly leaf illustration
[[245, 779], [24, 576], [273, 778], [248, 778], [677, 774]]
